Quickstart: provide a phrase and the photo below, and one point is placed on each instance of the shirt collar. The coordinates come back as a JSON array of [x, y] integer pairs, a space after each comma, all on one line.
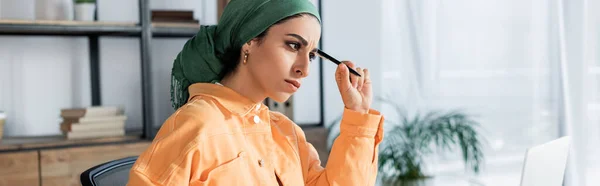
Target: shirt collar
[[230, 99]]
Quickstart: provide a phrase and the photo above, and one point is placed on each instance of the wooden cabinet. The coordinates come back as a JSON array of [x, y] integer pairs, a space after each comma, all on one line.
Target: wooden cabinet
[[57, 164], [62, 167], [19, 168]]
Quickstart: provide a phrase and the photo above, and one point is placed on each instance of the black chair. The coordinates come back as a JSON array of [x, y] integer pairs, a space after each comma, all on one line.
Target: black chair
[[111, 173]]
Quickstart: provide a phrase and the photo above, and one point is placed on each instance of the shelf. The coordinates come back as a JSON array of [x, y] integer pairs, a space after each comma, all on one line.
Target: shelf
[[10, 144], [88, 28], [174, 29], [68, 28]]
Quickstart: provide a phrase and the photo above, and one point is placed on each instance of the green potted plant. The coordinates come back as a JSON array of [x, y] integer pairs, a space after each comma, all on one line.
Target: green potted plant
[[411, 139], [85, 10]]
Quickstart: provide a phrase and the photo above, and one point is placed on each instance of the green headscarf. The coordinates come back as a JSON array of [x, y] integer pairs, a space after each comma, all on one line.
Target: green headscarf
[[241, 21]]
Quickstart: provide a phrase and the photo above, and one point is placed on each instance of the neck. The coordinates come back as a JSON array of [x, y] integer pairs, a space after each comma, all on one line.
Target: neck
[[243, 83]]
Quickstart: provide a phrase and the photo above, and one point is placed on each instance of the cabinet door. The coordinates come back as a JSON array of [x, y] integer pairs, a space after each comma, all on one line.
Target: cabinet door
[[19, 168], [64, 166], [286, 108]]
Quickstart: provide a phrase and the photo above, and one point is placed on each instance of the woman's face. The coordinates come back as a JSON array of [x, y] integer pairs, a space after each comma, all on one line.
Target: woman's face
[[280, 61]]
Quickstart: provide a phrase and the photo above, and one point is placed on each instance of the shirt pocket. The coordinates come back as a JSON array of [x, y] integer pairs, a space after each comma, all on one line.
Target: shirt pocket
[[231, 173]]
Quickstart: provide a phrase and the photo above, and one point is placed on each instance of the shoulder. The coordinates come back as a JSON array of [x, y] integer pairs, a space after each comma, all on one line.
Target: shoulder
[[197, 117], [201, 109]]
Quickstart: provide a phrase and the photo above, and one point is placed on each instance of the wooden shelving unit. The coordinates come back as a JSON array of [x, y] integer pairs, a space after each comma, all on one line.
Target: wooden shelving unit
[[55, 160], [144, 29]]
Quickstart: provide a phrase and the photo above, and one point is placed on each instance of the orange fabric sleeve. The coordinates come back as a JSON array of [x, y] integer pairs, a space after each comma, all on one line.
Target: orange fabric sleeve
[[353, 157]]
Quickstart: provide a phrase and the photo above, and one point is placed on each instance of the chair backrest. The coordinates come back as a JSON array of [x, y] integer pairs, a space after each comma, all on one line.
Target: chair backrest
[[114, 172]]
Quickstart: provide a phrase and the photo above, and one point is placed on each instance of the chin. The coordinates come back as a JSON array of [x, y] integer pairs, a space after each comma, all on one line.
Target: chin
[[280, 97]]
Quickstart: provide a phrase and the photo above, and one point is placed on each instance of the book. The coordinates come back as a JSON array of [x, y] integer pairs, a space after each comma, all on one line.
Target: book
[[94, 119], [173, 14], [95, 134], [76, 127], [90, 111], [161, 20], [93, 122]]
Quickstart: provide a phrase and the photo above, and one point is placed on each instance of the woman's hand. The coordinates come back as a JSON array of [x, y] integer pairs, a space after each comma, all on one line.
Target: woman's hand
[[356, 91]]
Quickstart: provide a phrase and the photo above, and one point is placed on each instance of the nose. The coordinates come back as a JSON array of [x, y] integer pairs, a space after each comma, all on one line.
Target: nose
[[301, 69]]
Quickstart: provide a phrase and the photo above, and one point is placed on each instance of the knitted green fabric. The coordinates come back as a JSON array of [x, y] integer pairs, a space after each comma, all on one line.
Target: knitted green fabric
[[242, 20]]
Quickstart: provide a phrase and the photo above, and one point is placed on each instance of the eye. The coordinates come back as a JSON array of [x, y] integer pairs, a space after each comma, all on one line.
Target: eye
[[295, 46]]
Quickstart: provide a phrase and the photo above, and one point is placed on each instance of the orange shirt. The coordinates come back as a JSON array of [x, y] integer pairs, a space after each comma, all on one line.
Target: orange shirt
[[220, 138]]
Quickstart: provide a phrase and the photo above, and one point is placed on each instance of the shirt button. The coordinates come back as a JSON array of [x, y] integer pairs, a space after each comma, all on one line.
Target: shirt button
[[256, 119], [257, 107]]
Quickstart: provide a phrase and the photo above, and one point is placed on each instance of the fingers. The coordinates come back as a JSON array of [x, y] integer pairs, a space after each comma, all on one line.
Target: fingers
[[359, 80], [346, 80], [342, 77], [353, 78], [366, 87]]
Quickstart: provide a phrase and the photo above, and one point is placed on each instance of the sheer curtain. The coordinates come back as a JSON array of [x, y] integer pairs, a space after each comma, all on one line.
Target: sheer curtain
[[579, 25], [528, 70]]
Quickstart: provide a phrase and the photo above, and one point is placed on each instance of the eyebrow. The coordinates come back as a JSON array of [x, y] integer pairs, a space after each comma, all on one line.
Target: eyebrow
[[302, 40]]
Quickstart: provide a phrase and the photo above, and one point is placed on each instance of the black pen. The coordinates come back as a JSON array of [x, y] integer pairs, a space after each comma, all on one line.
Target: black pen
[[328, 57]]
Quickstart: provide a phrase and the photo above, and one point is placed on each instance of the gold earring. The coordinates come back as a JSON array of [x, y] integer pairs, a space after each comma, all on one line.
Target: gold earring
[[245, 58]]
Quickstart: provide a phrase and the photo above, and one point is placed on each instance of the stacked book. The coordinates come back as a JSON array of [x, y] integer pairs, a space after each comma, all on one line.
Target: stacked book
[[174, 16], [92, 122]]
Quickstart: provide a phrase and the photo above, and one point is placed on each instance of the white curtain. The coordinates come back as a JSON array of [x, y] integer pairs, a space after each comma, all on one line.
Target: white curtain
[[579, 33], [529, 70]]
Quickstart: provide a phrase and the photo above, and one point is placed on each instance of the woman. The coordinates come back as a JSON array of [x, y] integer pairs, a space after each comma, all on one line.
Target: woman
[[222, 134]]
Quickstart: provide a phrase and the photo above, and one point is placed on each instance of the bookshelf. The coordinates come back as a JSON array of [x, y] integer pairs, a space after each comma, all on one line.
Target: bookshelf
[[145, 30]]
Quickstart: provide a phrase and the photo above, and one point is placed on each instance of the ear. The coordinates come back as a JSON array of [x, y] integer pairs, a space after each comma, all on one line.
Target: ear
[[247, 47]]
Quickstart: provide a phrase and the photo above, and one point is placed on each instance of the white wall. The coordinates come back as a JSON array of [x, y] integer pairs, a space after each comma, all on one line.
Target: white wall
[[351, 31], [40, 75]]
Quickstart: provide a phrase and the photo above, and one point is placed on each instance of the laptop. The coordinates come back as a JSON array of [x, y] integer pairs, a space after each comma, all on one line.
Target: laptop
[[545, 164]]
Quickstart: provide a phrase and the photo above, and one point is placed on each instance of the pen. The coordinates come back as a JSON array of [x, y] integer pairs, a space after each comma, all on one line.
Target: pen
[[328, 57]]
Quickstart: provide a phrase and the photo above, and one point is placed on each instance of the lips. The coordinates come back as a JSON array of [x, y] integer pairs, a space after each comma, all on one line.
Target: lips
[[293, 82]]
